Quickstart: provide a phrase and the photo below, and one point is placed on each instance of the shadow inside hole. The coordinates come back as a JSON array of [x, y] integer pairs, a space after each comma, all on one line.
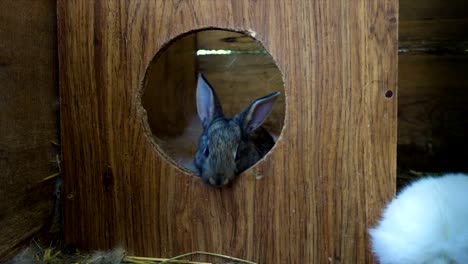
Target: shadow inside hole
[[236, 65], [389, 94]]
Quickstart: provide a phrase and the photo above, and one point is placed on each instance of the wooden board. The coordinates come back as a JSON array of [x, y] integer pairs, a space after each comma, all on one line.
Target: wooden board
[[28, 119], [423, 21], [432, 9], [433, 85], [433, 104], [168, 98], [423, 31], [324, 183], [226, 40], [169, 87]]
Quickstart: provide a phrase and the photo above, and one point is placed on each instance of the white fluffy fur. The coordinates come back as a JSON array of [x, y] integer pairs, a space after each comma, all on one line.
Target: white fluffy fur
[[426, 223]]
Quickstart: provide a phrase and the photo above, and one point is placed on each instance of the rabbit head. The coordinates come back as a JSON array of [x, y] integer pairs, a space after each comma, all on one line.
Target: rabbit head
[[229, 146]]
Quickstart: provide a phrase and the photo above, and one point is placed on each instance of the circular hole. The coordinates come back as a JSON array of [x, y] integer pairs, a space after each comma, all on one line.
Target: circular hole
[[177, 94], [389, 93]]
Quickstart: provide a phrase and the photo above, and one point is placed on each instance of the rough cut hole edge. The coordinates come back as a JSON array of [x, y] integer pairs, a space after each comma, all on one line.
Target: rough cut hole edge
[[143, 116]]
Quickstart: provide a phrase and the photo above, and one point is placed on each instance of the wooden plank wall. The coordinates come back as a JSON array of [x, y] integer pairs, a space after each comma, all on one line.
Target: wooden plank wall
[[169, 100], [169, 87], [433, 85], [432, 101], [28, 119], [322, 186]]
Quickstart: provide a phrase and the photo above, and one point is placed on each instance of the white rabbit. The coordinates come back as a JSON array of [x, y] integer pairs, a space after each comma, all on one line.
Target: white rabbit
[[426, 223]]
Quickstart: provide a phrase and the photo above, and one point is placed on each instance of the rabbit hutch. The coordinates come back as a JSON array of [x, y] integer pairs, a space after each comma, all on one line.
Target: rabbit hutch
[[100, 123]]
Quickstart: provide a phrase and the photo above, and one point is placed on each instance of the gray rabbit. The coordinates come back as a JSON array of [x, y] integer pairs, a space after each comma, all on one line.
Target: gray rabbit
[[227, 147]]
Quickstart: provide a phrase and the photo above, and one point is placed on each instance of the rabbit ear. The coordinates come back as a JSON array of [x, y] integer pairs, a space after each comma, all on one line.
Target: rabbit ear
[[257, 112], [208, 106]]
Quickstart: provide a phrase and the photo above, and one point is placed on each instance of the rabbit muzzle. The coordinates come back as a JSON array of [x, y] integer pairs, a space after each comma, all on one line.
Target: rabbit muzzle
[[219, 172]]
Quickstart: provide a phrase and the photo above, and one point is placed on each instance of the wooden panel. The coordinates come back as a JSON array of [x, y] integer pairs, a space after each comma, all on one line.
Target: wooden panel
[[169, 100], [433, 105], [28, 115], [227, 40], [324, 183], [432, 85], [432, 9], [170, 85], [424, 70], [433, 30], [433, 20]]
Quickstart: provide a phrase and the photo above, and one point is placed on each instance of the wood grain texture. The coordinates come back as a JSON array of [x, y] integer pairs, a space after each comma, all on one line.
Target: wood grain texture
[[168, 97], [432, 9], [422, 31], [28, 119], [227, 40], [325, 181], [169, 87], [433, 85], [433, 104]]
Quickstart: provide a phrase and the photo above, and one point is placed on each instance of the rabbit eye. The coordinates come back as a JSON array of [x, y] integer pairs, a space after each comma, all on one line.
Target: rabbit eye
[[206, 152]]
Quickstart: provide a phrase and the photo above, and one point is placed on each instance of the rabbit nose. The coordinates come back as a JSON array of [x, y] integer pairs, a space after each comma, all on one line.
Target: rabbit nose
[[215, 181], [226, 181], [211, 181], [220, 179]]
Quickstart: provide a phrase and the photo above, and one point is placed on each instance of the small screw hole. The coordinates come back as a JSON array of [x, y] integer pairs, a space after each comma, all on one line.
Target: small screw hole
[[389, 94]]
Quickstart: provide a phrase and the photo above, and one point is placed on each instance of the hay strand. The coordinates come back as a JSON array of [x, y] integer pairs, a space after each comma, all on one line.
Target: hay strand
[[171, 260], [35, 254], [50, 177], [147, 260]]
